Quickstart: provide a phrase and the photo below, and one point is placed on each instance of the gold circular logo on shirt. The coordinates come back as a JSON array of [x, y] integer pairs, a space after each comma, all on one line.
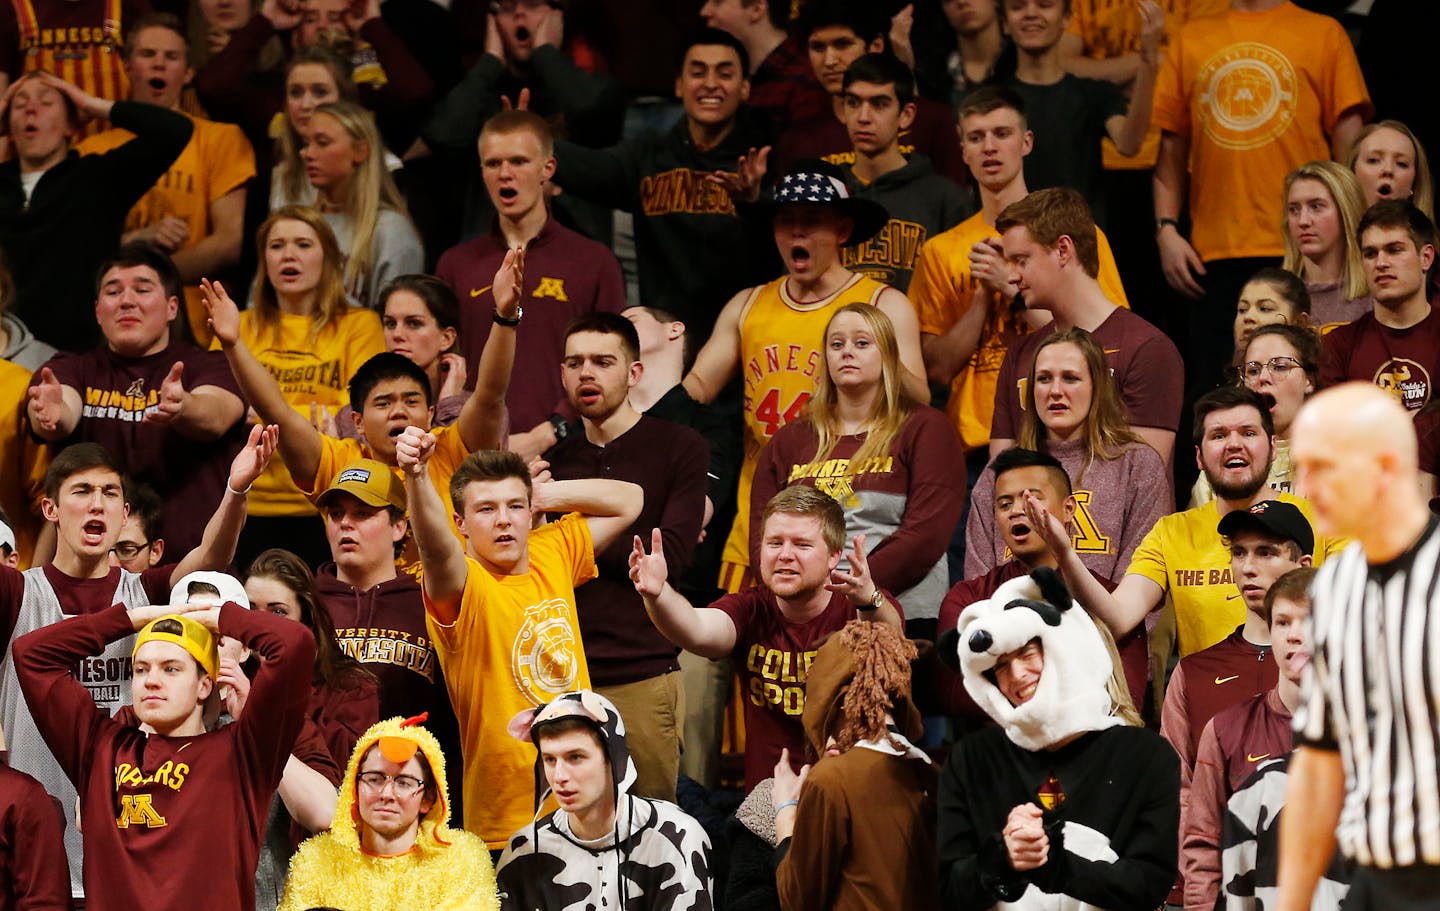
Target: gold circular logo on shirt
[[545, 655], [1247, 95], [1405, 379]]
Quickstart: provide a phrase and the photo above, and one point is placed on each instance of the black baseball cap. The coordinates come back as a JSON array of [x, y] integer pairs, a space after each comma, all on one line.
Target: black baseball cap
[[1274, 517]]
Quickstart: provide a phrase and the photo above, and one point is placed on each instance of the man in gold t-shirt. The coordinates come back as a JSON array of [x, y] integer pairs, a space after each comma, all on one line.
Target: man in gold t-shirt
[[501, 608], [1183, 556]]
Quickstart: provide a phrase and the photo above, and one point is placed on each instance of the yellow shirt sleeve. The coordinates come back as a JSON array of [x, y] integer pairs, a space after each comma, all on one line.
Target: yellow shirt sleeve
[[1149, 559], [229, 158], [335, 454]]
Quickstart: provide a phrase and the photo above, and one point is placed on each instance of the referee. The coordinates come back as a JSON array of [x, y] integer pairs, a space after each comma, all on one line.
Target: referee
[[1367, 750]]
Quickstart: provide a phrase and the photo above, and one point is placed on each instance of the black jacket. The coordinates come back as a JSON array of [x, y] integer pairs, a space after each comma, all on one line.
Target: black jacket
[[75, 218], [692, 248]]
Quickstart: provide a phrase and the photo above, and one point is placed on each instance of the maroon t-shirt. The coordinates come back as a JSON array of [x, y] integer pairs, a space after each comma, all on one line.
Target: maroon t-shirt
[[116, 392], [566, 275], [772, 656], [1145, 364], [670, 462], [933, 135], [1402, 361]]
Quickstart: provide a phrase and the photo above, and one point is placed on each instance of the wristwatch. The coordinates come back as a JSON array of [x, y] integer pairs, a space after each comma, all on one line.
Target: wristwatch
[[1160, 224], [511, 321], [876, 600], [562, 429]]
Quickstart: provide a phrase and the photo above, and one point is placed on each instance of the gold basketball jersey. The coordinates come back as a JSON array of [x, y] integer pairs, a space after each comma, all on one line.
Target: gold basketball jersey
[[782, 359]]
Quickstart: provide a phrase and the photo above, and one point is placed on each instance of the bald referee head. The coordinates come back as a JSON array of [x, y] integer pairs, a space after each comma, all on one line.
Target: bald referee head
[[1356, 461]]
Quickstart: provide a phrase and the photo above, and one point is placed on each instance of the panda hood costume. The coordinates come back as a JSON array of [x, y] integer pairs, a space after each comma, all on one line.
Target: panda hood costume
[[1108, 793], [1072, 696]]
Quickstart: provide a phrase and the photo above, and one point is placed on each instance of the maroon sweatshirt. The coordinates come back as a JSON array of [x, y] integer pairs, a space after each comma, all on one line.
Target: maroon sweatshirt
[[33, 872], [171, 821]]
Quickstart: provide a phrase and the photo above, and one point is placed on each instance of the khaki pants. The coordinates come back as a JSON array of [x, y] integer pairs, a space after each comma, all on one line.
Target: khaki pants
[[652, 710], [707, 689]]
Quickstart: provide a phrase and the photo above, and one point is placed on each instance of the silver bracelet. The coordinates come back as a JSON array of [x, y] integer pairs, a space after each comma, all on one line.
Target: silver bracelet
[[785, 804], [238, 493]]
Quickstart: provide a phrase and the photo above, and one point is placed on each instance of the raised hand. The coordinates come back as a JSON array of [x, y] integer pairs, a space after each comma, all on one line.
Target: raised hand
[[250, 462], [452, 374], [234, 686], [360, 12], [86, 105], [283, 14], [649, 571], [509, 279], [855, 584], [1152, 31], [900, 25], [521, 102], [493, 45], [173, 398], [743, 184], [413, 449], [224, 315], [47, 401], [551, 28], [1046, 524]]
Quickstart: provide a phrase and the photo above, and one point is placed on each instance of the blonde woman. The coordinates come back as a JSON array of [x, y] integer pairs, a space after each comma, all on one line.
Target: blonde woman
[[1073, 411], [890, 461], [345, 163], [1390, 163], [1323, 205], [313, 77], [303, 329]]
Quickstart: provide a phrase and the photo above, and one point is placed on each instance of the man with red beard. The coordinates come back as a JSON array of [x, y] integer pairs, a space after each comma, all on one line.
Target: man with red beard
[[772, 631]]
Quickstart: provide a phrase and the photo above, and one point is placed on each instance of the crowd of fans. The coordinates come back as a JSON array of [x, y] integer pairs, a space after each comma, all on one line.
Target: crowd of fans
[[443, 440]]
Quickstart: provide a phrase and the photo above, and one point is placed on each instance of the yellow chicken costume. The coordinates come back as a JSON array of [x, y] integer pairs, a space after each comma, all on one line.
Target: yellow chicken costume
[[447, 869]]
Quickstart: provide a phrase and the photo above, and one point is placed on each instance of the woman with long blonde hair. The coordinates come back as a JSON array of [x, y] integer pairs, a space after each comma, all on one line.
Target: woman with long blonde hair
[[301, 326], [313, 77], [345, 163], [889, 460], [1074, 412], [1323, 205], [1390, 163]]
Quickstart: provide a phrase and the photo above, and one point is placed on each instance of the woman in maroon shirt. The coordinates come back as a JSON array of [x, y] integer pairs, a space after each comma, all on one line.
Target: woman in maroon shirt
[[344, 696], [889, 461]]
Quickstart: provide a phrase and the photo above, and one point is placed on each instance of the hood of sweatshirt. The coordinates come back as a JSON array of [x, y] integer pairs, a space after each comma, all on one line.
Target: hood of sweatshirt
[[826, 683]]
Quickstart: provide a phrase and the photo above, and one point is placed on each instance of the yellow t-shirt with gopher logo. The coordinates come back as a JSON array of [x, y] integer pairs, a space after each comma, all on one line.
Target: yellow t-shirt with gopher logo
[[514, 646]]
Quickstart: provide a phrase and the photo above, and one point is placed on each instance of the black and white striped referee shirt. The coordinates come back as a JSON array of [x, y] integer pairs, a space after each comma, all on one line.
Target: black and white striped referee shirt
[[1371, 691]]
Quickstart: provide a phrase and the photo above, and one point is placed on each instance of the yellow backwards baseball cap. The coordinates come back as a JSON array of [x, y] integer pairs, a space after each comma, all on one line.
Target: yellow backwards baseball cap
[[372, 483], [177, 629]]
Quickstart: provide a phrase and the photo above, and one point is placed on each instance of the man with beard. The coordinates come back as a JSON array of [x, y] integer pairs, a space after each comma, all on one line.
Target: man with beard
[[1183, 555], [631, 663]]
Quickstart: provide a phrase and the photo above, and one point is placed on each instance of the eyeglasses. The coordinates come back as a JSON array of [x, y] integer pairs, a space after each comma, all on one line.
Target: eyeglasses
[[127, 550], [405, 785], [1278, 367]]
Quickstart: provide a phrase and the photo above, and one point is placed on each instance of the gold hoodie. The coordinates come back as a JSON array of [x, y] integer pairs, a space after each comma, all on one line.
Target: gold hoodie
[[447, 869]]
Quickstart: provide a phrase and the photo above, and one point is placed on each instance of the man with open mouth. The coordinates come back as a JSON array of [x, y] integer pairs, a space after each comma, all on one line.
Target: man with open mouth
[[773, 333], [196, 211]]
